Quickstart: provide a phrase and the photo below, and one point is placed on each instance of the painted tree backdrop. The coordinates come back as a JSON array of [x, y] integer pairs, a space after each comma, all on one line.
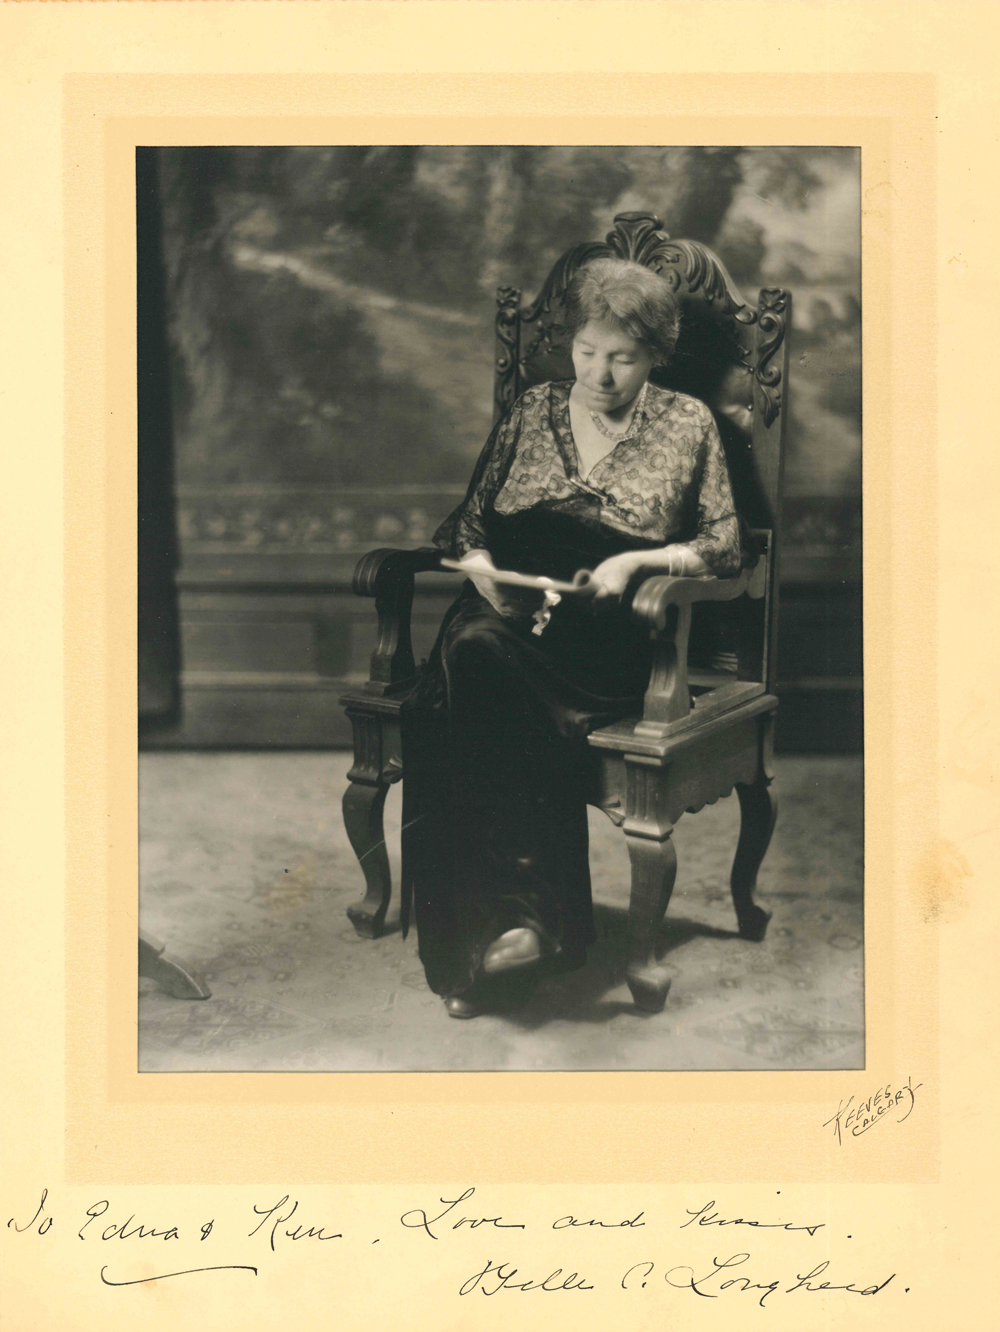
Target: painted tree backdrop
[[332, 307]]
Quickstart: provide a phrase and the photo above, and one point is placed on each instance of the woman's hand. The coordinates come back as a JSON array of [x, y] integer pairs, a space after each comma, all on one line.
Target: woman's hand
[[513, 603], [614, 575]]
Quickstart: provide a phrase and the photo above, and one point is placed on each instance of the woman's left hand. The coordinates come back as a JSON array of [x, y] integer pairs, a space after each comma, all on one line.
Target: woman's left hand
[[613, 576]]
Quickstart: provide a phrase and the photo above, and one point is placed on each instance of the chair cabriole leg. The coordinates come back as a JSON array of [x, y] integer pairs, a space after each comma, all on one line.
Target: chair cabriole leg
[[364, 803], [758, 813]]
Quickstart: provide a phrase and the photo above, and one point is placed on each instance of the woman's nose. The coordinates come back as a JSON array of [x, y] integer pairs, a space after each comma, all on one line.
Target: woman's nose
[[604, 374]]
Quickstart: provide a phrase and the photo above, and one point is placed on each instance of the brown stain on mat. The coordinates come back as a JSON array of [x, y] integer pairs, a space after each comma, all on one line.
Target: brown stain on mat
[[941, 888], [877, 200]]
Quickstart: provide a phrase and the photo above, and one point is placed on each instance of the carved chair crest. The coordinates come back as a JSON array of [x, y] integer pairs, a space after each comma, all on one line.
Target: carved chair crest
[[692, 270]]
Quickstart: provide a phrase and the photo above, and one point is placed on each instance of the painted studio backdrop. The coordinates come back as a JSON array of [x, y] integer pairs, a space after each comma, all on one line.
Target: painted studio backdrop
[[315, 379]]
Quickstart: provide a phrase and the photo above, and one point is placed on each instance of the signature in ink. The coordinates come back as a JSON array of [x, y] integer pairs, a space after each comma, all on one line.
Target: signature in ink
[[856, 1118], [500, 1276], [417, 1218], [683, 1278], [706, 1217]]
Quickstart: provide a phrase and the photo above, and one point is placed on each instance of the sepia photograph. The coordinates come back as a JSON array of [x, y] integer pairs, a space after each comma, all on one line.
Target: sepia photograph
[[500, 677]]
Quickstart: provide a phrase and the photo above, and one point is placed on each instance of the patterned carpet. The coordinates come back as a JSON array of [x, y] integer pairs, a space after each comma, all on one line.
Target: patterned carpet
[[246, 875]]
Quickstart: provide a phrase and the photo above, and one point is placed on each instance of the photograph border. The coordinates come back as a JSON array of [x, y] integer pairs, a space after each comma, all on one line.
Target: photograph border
[[106, 117]]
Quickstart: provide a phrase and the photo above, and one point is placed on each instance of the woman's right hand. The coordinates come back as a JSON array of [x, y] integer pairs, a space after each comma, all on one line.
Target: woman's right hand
[[513, 603]]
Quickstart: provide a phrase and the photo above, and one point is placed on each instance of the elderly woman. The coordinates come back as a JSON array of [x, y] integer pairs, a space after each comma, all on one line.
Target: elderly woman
[[605, 472]]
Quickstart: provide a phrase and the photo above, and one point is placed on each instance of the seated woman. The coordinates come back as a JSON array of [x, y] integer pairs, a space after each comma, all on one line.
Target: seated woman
[[605, 472]]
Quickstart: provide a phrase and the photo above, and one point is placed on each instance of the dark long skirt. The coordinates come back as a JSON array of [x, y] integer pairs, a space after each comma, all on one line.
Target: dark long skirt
[[495, 787]]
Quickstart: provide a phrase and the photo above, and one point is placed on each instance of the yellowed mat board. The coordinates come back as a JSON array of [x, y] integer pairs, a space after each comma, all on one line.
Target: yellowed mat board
[[302, 1199]]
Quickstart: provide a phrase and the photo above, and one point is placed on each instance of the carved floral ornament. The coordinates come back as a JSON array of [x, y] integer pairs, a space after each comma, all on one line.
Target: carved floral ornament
[[687, 265]]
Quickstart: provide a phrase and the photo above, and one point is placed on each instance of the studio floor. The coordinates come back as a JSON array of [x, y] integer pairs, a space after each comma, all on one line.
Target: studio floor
[[246, 874]]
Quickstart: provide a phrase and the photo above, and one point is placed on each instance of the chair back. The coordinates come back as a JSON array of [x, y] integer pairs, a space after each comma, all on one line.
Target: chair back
[[731, 355]]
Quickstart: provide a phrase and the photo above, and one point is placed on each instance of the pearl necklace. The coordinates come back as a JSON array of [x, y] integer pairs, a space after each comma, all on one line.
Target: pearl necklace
[[636, 411]]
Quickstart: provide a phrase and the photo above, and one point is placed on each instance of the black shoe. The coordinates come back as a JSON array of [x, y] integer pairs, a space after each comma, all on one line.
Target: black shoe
[[462, 1006]]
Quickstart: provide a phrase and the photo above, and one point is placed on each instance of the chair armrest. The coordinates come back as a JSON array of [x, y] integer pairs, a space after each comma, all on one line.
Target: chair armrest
[[668, 699], [387, 575], [656, 594], [378, 570]]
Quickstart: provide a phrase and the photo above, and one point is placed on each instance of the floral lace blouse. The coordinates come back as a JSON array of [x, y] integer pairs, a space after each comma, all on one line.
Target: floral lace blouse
[[667, 481]]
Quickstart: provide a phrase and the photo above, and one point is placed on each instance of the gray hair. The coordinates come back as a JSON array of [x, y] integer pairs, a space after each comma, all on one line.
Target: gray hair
[[629, 297]]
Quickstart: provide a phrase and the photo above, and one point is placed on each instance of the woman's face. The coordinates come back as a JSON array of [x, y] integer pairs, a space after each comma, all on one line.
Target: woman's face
[[611, 367]]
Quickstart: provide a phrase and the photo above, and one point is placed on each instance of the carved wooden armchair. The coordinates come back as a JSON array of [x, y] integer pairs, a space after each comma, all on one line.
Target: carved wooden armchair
[[708, 716]]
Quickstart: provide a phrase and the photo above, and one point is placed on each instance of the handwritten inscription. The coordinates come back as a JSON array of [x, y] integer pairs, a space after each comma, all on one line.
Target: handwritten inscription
[[569, 1222], [273, 1218], [888, 1104], [127, 1229], [417, 1219], [466, 1224], [300, 1232], [706, 1217], [43, 1222]]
